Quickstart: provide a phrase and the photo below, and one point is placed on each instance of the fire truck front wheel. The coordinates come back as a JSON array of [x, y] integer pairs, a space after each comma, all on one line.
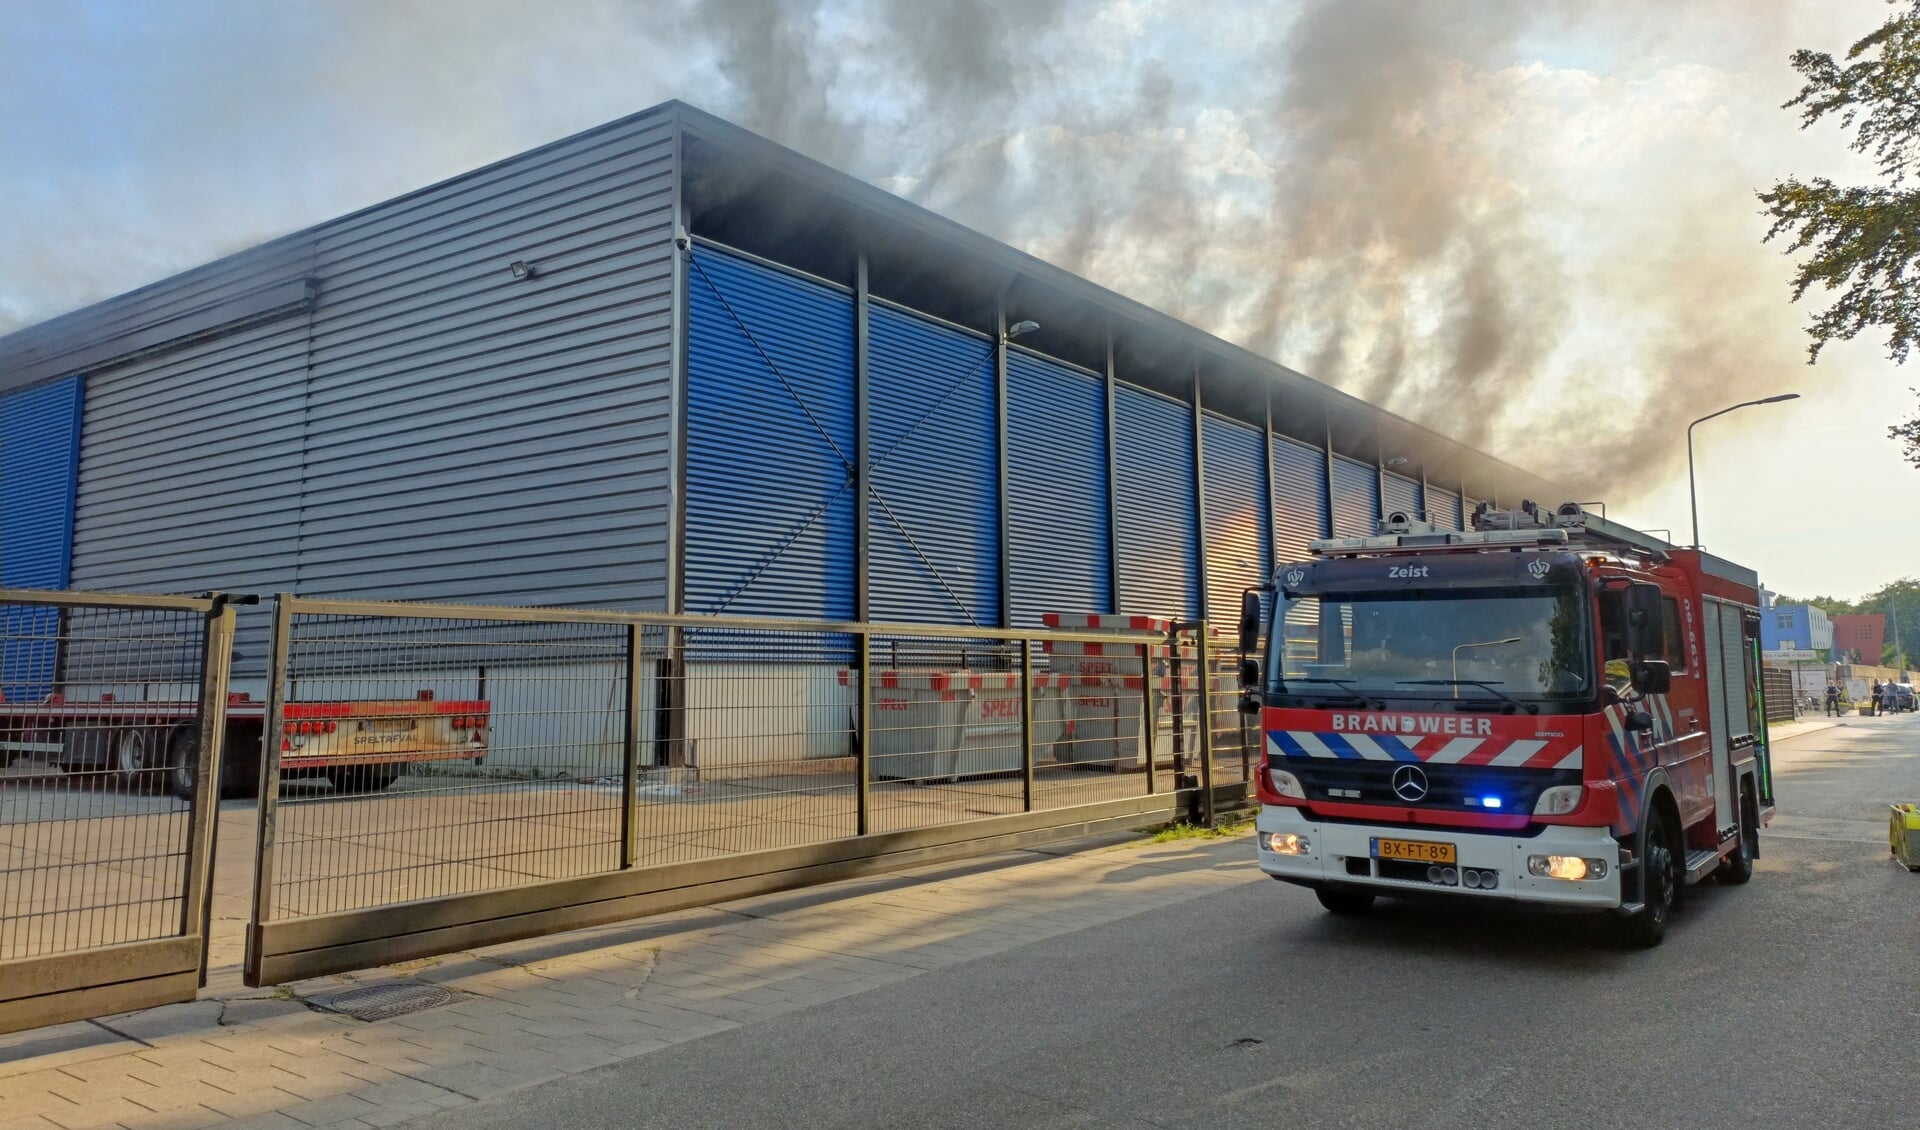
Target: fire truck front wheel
[[1344, 900], [1660, 892]]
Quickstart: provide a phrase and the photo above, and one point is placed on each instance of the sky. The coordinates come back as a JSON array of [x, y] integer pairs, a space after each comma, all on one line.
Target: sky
[[1531, 226]]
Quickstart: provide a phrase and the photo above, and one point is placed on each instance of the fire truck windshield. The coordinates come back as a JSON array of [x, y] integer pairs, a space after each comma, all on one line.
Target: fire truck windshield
[[1474, 647]]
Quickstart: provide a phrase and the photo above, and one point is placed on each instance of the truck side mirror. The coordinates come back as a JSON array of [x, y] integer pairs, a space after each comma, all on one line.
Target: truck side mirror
[[1249, 672], [1250, 621], [1652, 676], [1646, 623]]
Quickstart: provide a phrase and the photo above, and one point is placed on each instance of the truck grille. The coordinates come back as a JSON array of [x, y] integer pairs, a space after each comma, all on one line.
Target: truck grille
[[1449, 786]]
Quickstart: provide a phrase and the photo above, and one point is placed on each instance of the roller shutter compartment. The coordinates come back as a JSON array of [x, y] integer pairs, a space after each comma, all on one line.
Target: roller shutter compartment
[[1058, 519], [1300, 497], [1159, 523], [1356, 499], [39, 456], [1239, 526]]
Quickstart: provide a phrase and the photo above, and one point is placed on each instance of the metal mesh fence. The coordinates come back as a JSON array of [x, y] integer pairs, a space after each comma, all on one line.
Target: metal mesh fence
[[427, 752], [99, 732]]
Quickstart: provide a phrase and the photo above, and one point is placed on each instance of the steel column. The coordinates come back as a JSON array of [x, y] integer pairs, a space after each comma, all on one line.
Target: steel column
[[1026, 725], [1206, 726], [1147, 732], [1273, 499], [216, 658], [1000, 455], [863, 535], [630, 761], [1200, 493], [677, 389], [1327, 510], [863, 742], [1113, 485], [271, 735]]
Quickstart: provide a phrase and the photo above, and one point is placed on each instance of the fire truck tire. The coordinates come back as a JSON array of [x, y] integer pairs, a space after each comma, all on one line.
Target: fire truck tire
[[1738, 867], [1647, 927], [1341, 900]]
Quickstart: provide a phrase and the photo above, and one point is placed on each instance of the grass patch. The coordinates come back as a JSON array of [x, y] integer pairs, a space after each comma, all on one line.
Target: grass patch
[[1230, 828]]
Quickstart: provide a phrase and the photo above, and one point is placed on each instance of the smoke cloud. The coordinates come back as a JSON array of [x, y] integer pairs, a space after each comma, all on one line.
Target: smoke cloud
[[1529, 226]]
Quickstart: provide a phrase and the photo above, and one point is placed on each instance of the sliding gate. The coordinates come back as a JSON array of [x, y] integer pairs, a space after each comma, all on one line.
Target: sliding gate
[[112, 710]]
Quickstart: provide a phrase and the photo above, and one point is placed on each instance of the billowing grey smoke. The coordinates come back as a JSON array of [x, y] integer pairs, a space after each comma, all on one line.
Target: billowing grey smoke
[[1343, 185]]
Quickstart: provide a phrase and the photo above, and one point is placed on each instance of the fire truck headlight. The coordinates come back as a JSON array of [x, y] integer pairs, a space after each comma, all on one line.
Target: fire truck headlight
[[1286, 843], [1569, 867], [1559, 800], [1285, 783]]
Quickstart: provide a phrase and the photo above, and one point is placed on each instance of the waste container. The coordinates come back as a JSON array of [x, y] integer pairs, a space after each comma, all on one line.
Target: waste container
[[938, 725]]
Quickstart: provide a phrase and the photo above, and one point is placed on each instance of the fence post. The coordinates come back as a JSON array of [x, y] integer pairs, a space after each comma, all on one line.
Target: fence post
[[630, 760], [216, 659], [1148, 733], [1206, 726], [1026, 725], [863, 739], [271, 730]]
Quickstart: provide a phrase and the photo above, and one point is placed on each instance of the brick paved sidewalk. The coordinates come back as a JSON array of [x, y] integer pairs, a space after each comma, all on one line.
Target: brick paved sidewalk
[[535, 1010]]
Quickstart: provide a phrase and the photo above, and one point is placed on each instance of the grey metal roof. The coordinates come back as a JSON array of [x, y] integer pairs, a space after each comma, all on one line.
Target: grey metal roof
[[746, 191]]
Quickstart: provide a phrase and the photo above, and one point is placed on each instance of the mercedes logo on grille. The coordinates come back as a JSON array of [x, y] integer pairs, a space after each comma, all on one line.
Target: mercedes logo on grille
[[1410, 783]]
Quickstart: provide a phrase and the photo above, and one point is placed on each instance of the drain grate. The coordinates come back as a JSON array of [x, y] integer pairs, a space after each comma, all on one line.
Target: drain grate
[[383, 1002]]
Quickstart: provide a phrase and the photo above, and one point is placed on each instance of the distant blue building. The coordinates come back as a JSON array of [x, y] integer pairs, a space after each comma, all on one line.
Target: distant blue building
[[1798, 627]]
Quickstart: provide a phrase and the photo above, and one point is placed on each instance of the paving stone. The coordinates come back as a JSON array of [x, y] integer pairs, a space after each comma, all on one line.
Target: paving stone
[[194, 1018], [325, 1112], [257, 1011]]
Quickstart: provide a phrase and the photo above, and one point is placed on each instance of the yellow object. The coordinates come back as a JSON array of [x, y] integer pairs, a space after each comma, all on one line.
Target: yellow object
[[1903, 835]]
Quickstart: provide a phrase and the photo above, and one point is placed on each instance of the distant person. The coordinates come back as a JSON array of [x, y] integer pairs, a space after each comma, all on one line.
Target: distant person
[[1888, 703], [1833, 700], [1873, 699]]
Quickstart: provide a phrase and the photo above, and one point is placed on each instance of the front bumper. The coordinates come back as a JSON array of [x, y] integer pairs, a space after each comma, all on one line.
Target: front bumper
[[1341, 855]]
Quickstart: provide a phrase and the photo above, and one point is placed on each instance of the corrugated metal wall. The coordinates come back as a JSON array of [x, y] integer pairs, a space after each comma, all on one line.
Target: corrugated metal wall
[[39, 446], [1057, 511], [1356, 498], [425, 346], [434, 428], [934, 512], [1467, 507], [1443, 507], [771, 443], [1300, 497], [190, 474], [1159, 522], [1239, 524], [39, 449], [1403, 494]]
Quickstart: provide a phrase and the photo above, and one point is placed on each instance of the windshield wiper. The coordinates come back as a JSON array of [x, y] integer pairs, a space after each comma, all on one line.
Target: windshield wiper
[[1494, 688], [1343, 684]]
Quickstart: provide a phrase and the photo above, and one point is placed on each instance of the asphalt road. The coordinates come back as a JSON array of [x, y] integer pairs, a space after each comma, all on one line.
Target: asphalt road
[[1790, 1002]]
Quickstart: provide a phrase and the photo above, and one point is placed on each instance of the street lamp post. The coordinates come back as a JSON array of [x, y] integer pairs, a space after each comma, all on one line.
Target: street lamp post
[[1693, 497], [1482, 643]]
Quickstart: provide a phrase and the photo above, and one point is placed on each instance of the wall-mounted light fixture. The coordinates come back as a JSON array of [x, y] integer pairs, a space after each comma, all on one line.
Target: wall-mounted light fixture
[[521, 269], [1396, 461], [1019, 328]]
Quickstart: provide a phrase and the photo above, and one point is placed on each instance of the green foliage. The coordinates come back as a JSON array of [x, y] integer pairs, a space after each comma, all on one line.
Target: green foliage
[[1861, 241]]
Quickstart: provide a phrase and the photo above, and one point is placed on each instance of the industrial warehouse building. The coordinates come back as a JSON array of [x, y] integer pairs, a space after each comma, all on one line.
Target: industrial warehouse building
[[668, 365]]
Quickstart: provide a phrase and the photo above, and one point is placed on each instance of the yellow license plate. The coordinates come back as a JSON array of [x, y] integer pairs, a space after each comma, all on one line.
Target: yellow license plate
[[390, 724], [1415, 851]]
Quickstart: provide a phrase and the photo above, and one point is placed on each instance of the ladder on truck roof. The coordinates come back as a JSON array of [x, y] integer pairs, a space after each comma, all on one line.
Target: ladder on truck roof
[[1570, 526]]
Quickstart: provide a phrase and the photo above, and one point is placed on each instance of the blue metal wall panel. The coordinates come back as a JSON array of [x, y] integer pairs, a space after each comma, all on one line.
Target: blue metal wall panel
[[1403, 494], [934, 512], [1443, 507], [39, 454], [771, 495], [1158, 523], [1356, 498], [1239, 526], [1058, 520], [1300, 497]]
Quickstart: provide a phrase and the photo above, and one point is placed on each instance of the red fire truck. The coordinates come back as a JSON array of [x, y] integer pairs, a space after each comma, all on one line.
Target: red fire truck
[[1548, 709]]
